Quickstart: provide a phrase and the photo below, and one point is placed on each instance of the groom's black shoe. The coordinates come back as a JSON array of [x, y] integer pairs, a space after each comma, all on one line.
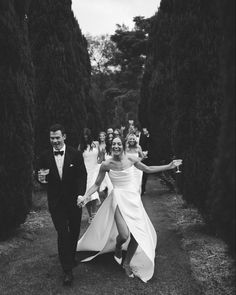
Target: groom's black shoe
[[68, 278]]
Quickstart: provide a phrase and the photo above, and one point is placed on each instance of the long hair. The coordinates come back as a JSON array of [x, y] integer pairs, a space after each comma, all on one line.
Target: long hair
[[86, 142], [108, 144], [135, 146], [104, 133], [123, 141]]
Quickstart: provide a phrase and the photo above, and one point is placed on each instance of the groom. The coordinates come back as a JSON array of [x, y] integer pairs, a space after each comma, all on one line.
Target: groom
[[66, 179]]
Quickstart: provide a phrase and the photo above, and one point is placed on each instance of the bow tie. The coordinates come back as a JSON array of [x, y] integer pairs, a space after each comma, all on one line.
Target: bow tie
[[57, 153]]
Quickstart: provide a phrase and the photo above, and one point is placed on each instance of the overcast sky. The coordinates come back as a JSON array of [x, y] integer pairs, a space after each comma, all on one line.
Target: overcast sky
[[101, 16]]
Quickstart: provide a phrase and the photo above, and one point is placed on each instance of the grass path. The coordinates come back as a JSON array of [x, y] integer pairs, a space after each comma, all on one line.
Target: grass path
[[33, 267]]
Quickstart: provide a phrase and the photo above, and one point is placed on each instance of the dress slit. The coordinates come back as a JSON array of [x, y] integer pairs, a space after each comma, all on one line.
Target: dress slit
[[122, 215]]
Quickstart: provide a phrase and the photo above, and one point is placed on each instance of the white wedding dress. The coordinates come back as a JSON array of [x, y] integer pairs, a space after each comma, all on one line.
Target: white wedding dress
[[101, 234]]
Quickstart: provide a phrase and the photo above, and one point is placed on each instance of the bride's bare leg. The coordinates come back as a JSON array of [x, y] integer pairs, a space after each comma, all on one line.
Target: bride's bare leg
[[123, 232], [133, 245], [89, 208]]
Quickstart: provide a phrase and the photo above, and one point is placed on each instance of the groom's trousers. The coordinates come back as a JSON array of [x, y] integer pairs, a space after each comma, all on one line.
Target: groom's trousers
[[67, 220]]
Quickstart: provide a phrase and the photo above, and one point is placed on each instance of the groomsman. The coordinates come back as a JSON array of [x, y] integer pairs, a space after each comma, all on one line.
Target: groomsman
[[109, 130], [138, 135], [62, 169], [144, 142]]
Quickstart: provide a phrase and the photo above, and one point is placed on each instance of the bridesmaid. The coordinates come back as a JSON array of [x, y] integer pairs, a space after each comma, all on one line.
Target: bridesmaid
[[117, 133], [90, 151], [106, 185], [109, 139], [101, 147], [132, 146], [134, 149]]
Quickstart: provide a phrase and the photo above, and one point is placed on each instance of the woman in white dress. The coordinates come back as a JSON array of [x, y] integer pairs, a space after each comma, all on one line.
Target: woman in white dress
[[106, 185], [89, 149], [134, 149], [121, 222], [109, 139]]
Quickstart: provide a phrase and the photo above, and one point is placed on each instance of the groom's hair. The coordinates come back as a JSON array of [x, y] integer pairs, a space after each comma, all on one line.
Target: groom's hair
[[57, 127]]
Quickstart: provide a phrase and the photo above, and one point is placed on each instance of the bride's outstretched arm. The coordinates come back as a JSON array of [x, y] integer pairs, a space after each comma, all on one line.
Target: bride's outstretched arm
[[155, 169], [95, 187]]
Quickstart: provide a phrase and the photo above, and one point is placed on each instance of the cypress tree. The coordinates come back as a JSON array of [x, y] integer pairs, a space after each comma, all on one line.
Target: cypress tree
[[189, 87], [157, 91], [16, 116], [221, 201], [184, 90], [198, 94], [62, 70]]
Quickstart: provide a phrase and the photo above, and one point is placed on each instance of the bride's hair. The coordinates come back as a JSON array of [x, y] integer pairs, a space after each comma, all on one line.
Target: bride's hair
[[122, 140]]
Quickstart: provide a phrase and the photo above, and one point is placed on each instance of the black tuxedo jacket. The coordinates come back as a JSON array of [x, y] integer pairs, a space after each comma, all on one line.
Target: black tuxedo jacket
[[73, 183], [144, 142]]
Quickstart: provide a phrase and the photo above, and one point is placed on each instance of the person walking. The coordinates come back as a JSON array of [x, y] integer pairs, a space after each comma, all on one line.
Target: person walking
[[145, 142], [90, 151], [134, 149], [121, 222], [61, 168]]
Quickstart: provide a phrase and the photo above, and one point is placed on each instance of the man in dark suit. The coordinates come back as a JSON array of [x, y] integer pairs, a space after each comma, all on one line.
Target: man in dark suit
[[66, 179], [144, 142]]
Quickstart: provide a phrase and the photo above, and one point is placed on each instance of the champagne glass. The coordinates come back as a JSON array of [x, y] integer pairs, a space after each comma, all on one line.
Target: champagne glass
[[145, 154], [42, 175], [177, 165]]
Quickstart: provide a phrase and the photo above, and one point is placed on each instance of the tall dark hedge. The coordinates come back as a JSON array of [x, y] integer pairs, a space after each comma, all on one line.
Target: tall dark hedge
[[198, 94], [62, 70], [16, 116], [183, 90], [221, 203], [187, 101], [157, 92]]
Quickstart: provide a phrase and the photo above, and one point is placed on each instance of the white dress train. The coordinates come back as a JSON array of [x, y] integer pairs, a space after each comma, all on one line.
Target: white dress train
[[101, 234]]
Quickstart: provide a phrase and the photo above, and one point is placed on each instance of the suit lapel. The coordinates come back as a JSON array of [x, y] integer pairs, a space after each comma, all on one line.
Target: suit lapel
[[66, 162]]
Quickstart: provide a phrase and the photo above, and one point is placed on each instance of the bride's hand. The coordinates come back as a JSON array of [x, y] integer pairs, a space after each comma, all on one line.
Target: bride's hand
[[81, 201], [176, 163]]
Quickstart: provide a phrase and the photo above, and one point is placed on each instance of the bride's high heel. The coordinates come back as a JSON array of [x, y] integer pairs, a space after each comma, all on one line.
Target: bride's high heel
[[118, 255], [128, 270]]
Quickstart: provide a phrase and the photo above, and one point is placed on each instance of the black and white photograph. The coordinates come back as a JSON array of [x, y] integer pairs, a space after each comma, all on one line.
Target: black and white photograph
[[117, 154]]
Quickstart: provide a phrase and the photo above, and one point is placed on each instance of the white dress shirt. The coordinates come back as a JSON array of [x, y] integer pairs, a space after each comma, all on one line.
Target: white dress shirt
[[60, 160], [138, 137]]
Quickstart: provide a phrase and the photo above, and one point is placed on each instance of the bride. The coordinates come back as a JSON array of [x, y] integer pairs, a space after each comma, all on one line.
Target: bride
[[122, 223]]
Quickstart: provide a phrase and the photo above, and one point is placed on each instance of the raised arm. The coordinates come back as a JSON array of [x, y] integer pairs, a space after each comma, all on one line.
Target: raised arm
[[155, 169]]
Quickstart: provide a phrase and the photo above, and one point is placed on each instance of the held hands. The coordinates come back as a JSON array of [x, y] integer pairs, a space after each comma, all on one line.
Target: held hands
[[42, 174], [81, 201]]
